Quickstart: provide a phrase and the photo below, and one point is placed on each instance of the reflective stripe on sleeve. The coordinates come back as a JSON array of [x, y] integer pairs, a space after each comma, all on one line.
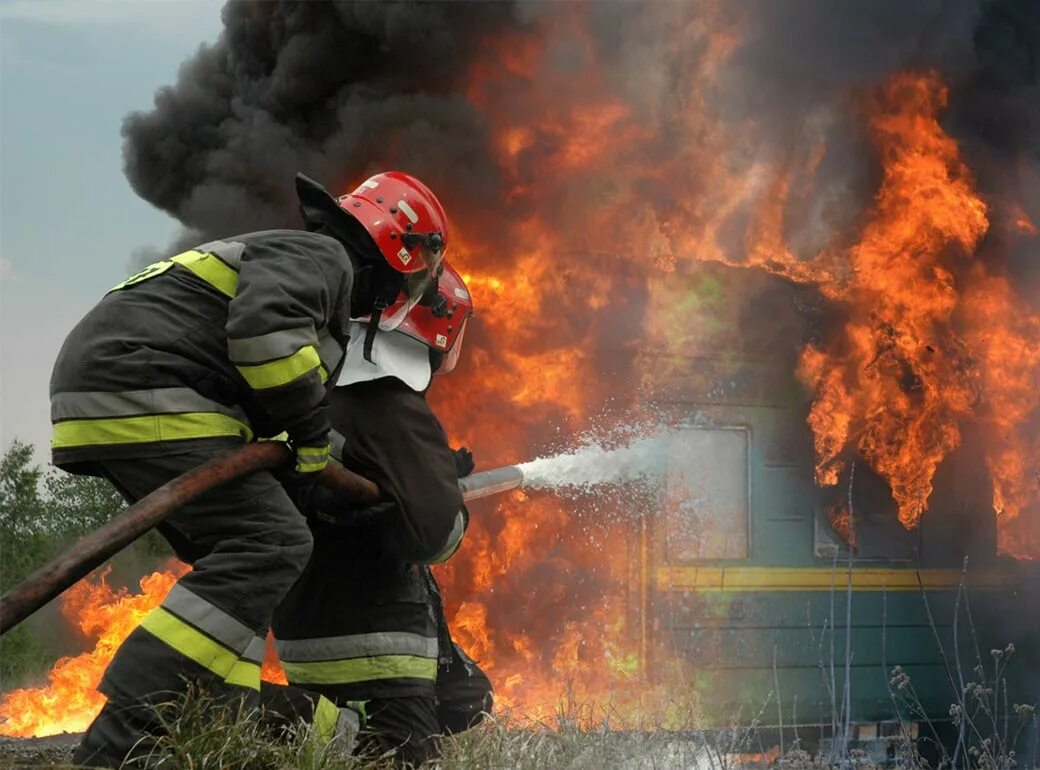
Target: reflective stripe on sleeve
[[330, 351], [270, 346], [147, 429], [311, 459], [215, 262], [282, 371], [78, 405], [229, 252], [209, 618], [356, 646], [454, 540], [337, 443], [361, 670], [210, 269]]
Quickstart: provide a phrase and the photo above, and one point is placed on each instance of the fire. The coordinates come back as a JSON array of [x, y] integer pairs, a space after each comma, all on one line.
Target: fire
[[922, 346], [105, 615], [614, 256]]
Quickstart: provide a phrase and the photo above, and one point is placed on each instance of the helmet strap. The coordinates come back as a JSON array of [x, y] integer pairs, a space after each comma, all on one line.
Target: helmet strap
[[372, 330]]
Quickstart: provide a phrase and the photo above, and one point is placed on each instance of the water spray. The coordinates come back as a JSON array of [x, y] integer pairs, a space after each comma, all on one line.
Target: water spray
[[590, 465]]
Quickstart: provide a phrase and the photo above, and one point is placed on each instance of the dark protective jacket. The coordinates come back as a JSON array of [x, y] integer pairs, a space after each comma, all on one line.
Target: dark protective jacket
[[232, 339], [361, 622]]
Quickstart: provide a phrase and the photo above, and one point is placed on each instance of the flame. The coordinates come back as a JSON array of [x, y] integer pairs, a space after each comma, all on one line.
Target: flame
[[922, 345], [613, 258], [105, 615]]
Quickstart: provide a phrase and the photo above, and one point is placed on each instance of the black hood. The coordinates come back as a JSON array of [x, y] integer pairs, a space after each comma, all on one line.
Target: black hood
[[321, 213]]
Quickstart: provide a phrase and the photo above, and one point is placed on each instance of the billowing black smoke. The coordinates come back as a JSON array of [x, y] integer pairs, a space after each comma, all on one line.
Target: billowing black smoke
[[995, 111], [330, 89], [342, 88]]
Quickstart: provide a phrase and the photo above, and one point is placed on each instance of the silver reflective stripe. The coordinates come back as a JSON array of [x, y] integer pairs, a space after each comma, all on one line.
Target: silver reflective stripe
[[306, 454], [229, 252], [209, 618], [356, 646], [454, 538], [100, 404], [348, 726], [337, 443], [270, 346], [255, 651], [329, 350]]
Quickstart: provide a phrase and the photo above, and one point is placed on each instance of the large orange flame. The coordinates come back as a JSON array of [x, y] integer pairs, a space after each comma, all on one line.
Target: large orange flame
[[613, 256], [70, 700]]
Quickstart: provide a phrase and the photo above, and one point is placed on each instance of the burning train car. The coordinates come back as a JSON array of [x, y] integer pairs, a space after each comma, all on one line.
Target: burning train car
[[778, 593]]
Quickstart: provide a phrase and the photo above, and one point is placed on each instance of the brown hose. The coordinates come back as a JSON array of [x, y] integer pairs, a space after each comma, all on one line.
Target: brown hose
[[94, 549]]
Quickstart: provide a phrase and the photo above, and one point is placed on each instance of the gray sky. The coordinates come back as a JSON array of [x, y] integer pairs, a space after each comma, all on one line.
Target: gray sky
[[69, 71]]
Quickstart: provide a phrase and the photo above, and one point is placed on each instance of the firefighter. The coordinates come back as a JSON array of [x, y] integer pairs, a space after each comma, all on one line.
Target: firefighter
[[365, 623], [200, 353]]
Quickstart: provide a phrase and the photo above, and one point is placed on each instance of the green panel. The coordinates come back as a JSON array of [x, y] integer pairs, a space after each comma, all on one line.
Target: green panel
[[728, 640], [729, 647], [799, 609], [805, 693]]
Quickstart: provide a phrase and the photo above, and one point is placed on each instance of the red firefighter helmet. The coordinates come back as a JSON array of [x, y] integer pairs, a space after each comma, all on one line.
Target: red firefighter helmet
[[441, 325], [409, 226]]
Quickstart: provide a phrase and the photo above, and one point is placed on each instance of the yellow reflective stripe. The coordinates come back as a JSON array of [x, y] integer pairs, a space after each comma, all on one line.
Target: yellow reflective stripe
[[154, 269], [312, 459], [147, 428], [767, 579], [190, 642], [361, 669], [244, 673], [210, 269], [323, 373], [326, 719], [281, 371]]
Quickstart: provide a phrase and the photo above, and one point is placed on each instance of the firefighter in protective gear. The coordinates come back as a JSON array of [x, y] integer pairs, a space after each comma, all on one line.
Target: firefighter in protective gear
[[199, 353], [365, 621]]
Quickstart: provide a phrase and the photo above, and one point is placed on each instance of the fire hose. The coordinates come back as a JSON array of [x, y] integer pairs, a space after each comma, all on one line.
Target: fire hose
[[93, 550]]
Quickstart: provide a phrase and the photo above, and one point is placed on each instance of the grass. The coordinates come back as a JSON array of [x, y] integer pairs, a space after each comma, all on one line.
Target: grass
[[198, 733]]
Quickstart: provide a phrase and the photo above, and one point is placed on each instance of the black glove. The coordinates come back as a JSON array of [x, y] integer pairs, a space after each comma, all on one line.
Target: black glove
[[463, 462]]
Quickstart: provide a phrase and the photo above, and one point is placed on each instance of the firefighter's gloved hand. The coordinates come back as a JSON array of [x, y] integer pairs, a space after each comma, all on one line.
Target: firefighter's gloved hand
[[464, 463]]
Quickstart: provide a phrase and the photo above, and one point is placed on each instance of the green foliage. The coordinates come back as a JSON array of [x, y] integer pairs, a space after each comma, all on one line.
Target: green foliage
[[41, 512]]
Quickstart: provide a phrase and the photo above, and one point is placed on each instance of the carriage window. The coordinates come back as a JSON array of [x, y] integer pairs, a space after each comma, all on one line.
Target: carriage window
[[706, 495], [873, 534]]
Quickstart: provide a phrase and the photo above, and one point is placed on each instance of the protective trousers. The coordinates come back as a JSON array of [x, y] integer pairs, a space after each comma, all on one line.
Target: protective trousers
[[247, 544], [285, 707], [409, 728]]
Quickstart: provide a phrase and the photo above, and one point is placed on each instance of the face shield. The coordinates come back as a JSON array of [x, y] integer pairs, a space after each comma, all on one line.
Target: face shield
[[420, 286], [451, 358]]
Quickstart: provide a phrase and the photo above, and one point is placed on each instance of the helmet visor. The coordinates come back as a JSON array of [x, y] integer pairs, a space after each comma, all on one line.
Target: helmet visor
[[451, 358], [419, 287]]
